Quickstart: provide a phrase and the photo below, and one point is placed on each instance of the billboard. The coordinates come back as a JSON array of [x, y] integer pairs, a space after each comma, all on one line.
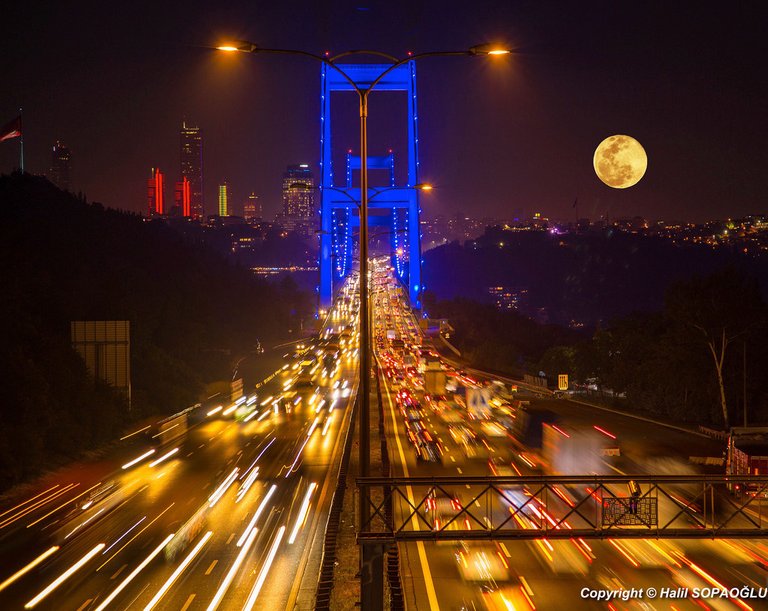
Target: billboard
[[105, 346]]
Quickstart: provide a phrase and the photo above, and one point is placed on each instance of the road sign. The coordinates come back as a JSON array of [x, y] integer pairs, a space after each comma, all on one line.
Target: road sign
[[562, 381], [477, 401], [236, 389]]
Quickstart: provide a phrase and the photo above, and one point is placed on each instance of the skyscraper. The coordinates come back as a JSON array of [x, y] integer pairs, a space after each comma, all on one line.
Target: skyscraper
[[182, 198], [155, 197], [192, 166], [252, 209], [298, 197], [60, 173], [224, 199]]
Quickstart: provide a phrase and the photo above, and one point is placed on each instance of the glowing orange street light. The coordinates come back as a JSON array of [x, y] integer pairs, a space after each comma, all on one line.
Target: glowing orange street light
[[489, 49]]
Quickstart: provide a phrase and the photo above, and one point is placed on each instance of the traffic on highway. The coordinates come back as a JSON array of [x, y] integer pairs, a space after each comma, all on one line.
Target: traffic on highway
[[443, 420], [223, 505]]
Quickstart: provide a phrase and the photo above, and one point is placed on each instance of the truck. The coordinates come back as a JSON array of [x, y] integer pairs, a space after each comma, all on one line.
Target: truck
[[747, 454], [575, 450], [169, 430]]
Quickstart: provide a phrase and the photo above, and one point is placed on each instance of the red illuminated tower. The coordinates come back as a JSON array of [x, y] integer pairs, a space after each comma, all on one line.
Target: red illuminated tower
[[155, 193], [182, 197]]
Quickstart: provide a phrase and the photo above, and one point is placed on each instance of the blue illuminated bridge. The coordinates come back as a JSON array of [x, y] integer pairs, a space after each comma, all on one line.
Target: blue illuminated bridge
[[393, 209]]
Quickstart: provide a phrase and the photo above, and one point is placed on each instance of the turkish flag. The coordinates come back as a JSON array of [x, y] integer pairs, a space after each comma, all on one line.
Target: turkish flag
[[11, 129]]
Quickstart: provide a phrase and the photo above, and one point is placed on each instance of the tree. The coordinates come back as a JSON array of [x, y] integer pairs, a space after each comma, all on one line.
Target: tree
[[719, 308]]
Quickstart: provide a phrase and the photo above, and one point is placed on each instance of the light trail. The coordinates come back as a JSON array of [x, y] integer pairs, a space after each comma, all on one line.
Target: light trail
[[136, 432], [164, 431], [246, 485], [163, 457], [125, 534], [232, 571], [179, 570], [23, 571], [625, 553], [327, 424], [250, 416], [155, 519], [133, 574], [64, 576], [214, 498], [79, 526], [313, 427], [604, 432], [254, 519], [29, 500], [265, 449], [10, 520], [302, 513], [52, 511], [138, 459], [215, 410], [296, 460], [264, 571]]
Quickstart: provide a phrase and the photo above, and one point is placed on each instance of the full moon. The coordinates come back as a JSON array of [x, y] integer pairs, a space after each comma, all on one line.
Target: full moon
[[620, 161]]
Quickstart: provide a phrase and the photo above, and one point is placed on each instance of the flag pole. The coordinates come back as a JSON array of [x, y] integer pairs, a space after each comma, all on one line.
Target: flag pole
[[21, 141]]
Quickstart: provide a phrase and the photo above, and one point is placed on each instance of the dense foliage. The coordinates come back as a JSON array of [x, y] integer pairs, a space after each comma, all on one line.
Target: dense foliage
[[686, 362], [497, 340], [664, 329], [192, 315]]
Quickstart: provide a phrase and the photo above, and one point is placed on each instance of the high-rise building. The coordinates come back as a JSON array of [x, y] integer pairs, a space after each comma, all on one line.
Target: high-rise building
[[60, 167], [224, 196], [298, 197], [192, 166], [182, 198], [155, 197], [252, 209]]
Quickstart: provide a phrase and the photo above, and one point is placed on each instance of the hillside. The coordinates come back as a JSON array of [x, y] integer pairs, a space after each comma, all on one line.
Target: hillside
[[63, 259], [582, 279]]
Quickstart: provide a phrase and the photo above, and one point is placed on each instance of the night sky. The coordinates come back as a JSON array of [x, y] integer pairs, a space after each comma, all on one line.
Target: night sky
[[498, 135]]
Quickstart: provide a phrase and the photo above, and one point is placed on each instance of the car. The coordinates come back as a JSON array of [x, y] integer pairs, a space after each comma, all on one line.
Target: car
[[428, 451], [482, 563], [500, 467]]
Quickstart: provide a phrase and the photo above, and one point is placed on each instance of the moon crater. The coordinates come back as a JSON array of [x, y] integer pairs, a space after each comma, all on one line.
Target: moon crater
[[620, 161]]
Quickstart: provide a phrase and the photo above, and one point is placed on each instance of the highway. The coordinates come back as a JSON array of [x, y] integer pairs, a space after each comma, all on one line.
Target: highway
[[539, 574], [229, 515]]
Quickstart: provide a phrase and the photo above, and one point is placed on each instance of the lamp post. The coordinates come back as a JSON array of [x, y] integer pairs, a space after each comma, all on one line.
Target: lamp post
[[365, 321]]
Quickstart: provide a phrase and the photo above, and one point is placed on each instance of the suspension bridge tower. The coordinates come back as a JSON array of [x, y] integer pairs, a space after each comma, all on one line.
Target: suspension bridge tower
[[392, 209]]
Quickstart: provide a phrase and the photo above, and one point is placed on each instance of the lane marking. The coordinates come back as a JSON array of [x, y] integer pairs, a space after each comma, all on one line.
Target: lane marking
[[526, 586], [84, 605], [189, 602], [232, 536], [120, 570], [210, 568], [431, 594], [619, 471]]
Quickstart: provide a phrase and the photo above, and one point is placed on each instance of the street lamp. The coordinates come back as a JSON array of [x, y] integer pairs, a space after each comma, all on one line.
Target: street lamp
[[363, 93]]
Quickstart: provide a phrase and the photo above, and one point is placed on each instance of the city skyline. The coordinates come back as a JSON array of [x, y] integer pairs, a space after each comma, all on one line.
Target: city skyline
[[653, 74]]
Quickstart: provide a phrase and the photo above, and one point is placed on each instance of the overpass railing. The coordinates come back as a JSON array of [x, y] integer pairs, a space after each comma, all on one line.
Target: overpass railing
[[563, 507]]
